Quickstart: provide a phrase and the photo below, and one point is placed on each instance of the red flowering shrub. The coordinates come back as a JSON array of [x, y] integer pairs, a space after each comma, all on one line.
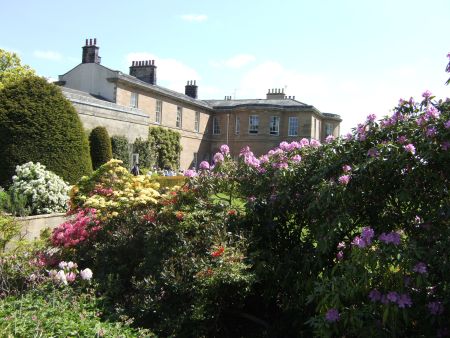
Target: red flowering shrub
[[77, 230]]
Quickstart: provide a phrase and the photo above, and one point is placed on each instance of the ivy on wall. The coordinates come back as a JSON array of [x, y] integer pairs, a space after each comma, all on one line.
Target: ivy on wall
[[166, 147]]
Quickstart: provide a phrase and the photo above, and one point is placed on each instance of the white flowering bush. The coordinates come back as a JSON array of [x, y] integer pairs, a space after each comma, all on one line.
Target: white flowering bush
[[45, 191]]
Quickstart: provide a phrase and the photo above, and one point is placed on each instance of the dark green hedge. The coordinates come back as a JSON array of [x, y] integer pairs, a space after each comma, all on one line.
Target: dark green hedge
[[37, 123], [100, 146]]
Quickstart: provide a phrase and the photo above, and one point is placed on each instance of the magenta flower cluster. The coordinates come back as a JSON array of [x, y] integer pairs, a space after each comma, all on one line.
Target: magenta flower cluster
[[365, 239], [72, 232]]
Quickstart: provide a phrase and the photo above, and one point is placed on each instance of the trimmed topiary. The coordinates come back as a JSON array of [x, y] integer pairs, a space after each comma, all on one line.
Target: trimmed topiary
[[100, 146], [37, 123], [120, 151]]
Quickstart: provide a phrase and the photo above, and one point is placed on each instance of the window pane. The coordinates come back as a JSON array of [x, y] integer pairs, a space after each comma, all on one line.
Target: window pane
[[158, 111], [293, 126], [237, 126], [274, 125], [197, 121], [179, 117], [253, 124], [216, 126], [134, 100]]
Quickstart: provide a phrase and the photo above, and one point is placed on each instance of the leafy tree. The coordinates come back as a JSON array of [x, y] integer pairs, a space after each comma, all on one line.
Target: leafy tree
[[11, 69], [100, 146], [38, 124], [166, 145]]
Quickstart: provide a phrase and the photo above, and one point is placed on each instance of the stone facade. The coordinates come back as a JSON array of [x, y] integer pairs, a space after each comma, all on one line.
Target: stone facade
[[128, 105]]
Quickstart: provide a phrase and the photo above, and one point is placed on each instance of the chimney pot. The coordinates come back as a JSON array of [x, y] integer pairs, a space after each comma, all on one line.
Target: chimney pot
[[95, 41], [86, 42], [90, 42]]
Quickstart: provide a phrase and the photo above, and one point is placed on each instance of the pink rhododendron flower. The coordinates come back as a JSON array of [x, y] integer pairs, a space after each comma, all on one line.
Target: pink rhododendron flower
[[447, 124], [371, 118], [329, 139], [373, 152], [390, 238], [344, 179], [359, 242], [224, 149], [346, 168], [218, 157], [284, 145], [75, 231], [315, 143], [341, 245], [348, 136], [426, 94], [204, 165], [70, 277], [190, 173], [431, 131], [409, 148], [304, 142], [340, 255], [296, 158], [432, 113]]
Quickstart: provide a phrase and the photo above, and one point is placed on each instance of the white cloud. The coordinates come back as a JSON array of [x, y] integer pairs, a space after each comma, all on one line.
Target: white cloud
[[194, 17], [48, 55], [171, 73]]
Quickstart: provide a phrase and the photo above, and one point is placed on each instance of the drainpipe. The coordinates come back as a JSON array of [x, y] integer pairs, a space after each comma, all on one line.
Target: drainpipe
[[228, 125]]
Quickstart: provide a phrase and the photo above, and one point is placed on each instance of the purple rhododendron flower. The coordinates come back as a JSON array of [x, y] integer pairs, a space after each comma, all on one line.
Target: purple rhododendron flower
[[332, 315], [340, 255], [359, 242], [204, 165], [344, 179], [348, 136], [304, 142], [392, 296], [296, 158], [426, 94], [402, 139], [447, 124], [224, 149], [264, 159], [294, 145], [445, 145], [404, 300], [432, 113], [409, 148], [218, 157], [315, 143], [435, 308], [367, 234], [284, 145], [371, 118], [346, 168], [190, 173], [329, 139], [390, 238], [420, 268], [374, 295], [341, 245], [431, 131]]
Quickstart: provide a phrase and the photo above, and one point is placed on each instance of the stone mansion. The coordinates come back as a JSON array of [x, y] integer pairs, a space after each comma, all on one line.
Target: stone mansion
[[128, 104]]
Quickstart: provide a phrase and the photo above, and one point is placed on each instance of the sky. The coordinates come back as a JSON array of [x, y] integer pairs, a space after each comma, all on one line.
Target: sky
[[347, 57]]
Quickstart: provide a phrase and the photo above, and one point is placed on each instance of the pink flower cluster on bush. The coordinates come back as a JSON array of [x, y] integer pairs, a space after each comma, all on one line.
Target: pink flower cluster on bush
[[68, 273], [73, 232]]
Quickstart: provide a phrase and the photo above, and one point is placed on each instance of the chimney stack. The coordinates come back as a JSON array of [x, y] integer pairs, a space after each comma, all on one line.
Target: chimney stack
[[144, 71], [275, 94], [90, 52], [191, 89]]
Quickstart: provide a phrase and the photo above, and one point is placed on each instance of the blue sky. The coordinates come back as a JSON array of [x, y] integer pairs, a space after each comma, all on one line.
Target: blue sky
[[349, 57]]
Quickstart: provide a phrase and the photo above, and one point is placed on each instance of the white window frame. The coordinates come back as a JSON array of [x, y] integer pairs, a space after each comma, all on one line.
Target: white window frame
[[274, 125], [158, 110], [216, 126], [179, 121], [134, 100], [253, 124], [291, 125], [197, 122], [237, 125]]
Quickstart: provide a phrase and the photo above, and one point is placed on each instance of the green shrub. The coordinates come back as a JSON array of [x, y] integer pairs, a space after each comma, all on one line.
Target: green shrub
[[100, 145], [9, 228], [60, 312], [120, 150], [37, 123]]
